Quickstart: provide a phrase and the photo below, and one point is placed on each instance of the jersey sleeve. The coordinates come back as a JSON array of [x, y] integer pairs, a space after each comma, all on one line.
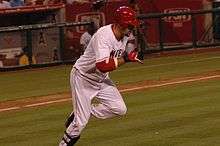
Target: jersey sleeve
[[102, 48]]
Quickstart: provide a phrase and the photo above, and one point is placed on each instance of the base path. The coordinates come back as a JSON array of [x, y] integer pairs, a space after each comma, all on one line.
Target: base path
[[64, 97]]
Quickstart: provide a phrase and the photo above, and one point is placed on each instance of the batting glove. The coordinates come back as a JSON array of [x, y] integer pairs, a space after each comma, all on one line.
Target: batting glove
[[132, 57]]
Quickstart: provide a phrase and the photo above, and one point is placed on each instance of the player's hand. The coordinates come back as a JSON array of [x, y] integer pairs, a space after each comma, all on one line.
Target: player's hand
[[132, 57]]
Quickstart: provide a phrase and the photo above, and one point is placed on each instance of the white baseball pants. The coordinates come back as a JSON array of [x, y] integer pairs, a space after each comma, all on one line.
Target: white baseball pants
[[83, 91]]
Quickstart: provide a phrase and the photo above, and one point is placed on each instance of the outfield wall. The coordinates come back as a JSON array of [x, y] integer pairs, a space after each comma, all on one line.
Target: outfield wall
[[178, 28]]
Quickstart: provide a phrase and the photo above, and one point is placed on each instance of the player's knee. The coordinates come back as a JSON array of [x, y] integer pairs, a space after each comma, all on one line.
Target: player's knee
[[121, 110]]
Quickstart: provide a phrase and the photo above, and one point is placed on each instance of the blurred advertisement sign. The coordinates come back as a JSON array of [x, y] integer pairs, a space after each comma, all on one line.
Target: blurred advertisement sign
[[177, 20]]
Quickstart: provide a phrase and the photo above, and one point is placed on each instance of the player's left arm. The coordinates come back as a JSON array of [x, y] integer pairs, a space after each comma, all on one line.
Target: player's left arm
[[131, 53]]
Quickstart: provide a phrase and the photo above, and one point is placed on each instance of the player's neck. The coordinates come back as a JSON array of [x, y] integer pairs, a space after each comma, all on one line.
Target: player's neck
[[116, 32]]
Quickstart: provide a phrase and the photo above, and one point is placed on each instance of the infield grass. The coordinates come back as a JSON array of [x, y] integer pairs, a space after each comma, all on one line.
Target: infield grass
[[180, 115], [39, 82]]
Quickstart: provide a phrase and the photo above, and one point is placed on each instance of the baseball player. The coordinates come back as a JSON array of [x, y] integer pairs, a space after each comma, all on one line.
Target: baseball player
[[108, 49], [86, 36]]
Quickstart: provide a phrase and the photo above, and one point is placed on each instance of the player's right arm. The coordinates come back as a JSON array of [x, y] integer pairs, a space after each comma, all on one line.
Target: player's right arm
[[104, 61], [109, 64]]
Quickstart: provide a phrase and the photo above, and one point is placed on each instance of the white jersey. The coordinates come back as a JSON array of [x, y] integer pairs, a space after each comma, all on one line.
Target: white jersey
[[102, 46], [85, 38], [5, 4]]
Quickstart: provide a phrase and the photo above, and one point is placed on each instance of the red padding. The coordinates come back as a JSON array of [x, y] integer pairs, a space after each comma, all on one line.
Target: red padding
[[105, 66]]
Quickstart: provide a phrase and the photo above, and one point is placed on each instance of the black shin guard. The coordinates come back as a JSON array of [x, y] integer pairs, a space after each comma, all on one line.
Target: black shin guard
[[69, 120]]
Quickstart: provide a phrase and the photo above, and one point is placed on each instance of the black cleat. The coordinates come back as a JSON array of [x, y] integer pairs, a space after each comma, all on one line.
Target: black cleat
[[68, 140], [73, 141]]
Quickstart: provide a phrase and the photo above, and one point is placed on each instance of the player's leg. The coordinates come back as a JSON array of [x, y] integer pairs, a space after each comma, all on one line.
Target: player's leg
[[82, 109], [111, 103], [72, 115], [69, 119]]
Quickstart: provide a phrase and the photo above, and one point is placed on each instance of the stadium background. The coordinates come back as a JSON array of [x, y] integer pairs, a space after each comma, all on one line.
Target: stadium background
[[172, 99], [45, 43]]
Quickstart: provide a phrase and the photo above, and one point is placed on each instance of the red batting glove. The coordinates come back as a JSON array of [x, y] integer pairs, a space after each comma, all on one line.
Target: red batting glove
[[132, 57]]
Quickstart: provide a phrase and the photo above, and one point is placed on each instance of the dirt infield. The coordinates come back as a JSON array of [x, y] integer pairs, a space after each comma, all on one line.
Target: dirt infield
[[64, 97]]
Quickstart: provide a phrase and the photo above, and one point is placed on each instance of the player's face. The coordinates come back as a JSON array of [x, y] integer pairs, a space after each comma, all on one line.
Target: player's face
[[126, 31]]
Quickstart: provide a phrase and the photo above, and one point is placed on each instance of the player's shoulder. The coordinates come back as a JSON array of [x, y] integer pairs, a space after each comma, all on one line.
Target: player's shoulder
[[104, 31], [104, 28]]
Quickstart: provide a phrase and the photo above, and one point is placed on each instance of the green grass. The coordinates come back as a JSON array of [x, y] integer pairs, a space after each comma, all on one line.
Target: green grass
[[183, 115], [168, 67], [31, 127], [22, 84], [30, 83]]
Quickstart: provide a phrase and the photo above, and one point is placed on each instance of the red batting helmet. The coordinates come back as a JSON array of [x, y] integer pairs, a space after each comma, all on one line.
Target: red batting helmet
[[126, 16]]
